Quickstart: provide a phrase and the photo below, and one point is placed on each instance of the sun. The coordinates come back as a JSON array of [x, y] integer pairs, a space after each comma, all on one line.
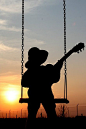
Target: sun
[[11, 95]]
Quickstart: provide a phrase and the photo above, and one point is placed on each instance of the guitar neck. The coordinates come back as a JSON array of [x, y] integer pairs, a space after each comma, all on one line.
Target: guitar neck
[[74, 49], [66, 55]]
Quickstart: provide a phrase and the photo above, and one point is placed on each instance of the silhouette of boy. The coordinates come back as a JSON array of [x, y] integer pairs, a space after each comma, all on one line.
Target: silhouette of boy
[[39, 79]]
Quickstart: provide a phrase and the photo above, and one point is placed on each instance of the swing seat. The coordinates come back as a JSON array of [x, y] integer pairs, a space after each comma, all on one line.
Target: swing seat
[[56, 100]]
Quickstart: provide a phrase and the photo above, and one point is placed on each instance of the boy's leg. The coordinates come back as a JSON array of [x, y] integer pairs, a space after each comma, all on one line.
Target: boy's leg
[[32, 109], [50, 109]]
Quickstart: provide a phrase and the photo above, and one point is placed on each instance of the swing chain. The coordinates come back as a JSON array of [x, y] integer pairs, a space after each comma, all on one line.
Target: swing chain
[[65, 67], [22, 49]]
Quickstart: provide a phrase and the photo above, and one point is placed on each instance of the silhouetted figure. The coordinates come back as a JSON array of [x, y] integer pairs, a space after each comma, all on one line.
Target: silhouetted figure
[[39, 79]]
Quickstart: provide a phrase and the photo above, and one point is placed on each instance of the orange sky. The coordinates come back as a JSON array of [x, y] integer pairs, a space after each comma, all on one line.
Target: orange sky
[[11, 88]]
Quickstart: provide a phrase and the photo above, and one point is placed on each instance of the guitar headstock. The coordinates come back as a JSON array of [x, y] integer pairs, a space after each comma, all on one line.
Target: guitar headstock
[[78, 47]]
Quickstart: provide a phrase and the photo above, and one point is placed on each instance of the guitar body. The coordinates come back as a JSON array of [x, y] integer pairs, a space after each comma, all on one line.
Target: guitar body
[[41, 76]]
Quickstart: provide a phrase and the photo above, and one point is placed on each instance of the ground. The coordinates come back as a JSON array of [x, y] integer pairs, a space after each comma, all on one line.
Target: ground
[[43, 123]]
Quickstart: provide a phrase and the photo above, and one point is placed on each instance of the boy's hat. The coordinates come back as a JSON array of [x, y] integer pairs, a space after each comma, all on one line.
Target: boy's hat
[[37, 56]]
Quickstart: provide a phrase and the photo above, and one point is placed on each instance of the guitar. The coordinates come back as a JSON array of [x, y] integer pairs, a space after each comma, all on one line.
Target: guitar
[[76, 48]]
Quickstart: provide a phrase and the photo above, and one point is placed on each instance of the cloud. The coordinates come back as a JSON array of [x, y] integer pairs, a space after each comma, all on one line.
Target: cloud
[[15, 6], [4, 26], [10, 6], [3, 22], [6, 48], [33, 41], [13, 28]]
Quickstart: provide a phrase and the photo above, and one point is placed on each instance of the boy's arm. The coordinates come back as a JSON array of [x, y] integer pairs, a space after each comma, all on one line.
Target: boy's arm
[[57, 69], [58, 65], [25, 81]]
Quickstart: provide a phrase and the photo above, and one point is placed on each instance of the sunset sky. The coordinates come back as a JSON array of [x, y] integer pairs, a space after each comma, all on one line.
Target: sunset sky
[[43, 29]]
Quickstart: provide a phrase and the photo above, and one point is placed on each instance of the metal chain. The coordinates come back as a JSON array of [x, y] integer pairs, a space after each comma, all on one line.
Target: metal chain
[[22, 46], [65, 68]]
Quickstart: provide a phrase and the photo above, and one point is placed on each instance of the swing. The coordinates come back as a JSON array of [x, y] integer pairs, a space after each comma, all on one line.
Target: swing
[[59, 100], [75, 49]]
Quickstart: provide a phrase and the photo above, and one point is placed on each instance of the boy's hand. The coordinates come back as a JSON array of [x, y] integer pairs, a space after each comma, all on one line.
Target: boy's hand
[[60, 64]]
